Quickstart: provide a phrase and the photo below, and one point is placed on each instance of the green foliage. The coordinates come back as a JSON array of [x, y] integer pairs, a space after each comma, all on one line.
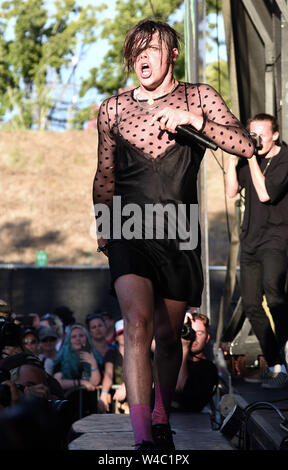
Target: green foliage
[[213, 6], [82, 116], [43, 43]]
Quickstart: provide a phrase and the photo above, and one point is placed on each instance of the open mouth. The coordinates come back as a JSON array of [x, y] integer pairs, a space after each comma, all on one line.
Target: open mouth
[[145, 70]]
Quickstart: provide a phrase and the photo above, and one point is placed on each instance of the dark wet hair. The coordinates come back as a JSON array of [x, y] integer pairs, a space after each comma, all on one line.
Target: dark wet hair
[[140, 36]]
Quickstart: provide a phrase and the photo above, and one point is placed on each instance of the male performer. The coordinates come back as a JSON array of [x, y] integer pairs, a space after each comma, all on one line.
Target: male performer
[[143, 161], [264, 241]]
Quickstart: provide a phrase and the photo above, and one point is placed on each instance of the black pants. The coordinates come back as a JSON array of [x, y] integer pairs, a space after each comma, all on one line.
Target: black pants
[[265, 273]]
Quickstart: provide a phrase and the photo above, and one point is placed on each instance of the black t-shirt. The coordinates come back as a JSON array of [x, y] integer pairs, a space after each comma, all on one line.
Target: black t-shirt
[[200, 385], [265, 224], [114, 356]]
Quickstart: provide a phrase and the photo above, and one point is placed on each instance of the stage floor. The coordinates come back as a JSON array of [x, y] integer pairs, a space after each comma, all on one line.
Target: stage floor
[[194, 431], [114, 432]]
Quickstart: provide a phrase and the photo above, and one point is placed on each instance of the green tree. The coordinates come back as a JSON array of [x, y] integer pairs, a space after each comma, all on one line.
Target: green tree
[[32, 62]]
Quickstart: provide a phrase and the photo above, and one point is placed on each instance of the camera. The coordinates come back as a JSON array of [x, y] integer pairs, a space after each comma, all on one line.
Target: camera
[[10, 333], [187, 331]]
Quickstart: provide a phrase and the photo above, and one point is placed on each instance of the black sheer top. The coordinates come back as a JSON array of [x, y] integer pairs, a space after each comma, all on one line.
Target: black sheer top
[[124, 130]]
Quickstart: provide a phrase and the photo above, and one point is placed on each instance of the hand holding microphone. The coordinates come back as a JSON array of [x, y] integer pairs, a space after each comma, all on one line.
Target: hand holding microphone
[[168, 119], [189, 132]]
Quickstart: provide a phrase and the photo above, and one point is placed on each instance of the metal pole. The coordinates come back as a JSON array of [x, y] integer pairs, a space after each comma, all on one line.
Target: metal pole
[[195, 11], [191, 41], [284, 70]]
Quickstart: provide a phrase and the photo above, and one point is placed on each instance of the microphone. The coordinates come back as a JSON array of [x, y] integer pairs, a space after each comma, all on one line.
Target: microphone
[[187, 131]]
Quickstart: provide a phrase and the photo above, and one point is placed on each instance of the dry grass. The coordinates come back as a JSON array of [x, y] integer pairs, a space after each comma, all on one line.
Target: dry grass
[[46, 184]]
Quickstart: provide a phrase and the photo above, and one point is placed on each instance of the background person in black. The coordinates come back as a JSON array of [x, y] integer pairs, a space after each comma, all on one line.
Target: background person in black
[[198, 376], [264, 241], [143, 161], [113, 373]]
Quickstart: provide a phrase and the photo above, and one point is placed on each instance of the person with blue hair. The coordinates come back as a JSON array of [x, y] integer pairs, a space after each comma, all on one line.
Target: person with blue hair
[[75, 364]]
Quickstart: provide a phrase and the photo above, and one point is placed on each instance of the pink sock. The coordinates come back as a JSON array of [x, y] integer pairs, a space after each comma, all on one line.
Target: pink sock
[[140, 416], [163, 397]]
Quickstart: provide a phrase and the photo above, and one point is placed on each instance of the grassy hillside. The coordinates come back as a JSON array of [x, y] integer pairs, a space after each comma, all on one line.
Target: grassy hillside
[[46, 203]]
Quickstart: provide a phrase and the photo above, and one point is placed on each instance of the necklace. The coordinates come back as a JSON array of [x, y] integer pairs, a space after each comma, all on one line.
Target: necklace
[[267, 166], [274, 153], [151, 100]]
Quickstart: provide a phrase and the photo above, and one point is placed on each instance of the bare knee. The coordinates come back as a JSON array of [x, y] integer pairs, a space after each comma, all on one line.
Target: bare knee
[[136, 298], [138, 330]]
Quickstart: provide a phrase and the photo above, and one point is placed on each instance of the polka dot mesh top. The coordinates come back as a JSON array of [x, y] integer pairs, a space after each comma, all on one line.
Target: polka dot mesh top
[[129, 118]]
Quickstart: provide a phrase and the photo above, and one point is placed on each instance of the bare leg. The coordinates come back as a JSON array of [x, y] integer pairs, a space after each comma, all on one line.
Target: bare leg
[[168, 355], [136, 299]]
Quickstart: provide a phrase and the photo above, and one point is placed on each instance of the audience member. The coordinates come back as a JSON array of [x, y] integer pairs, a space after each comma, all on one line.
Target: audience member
[[48, 352], [198, 376], [110, 324], [53, 321], [30, 398], [66, 316], [10, 333], [97, 330], [30, 340], [24, 373], [32, 424], [23, 382], [113, 373], [75, 364], [29, 320]]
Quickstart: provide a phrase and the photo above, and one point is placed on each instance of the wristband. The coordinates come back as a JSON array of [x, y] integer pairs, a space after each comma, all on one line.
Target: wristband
[[104, 391], [93, 369]]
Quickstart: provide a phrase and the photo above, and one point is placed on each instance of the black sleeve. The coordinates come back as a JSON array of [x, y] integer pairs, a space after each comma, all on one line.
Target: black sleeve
[[276, 180], [109, 356], [221, 126], [242, 169]]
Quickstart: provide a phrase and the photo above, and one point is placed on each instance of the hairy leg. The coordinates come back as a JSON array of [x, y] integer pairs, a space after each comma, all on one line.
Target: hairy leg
[[136, 299], [168, 355]]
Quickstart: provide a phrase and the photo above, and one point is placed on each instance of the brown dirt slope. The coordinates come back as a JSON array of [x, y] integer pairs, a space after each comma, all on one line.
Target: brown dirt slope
[[46, 203]]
